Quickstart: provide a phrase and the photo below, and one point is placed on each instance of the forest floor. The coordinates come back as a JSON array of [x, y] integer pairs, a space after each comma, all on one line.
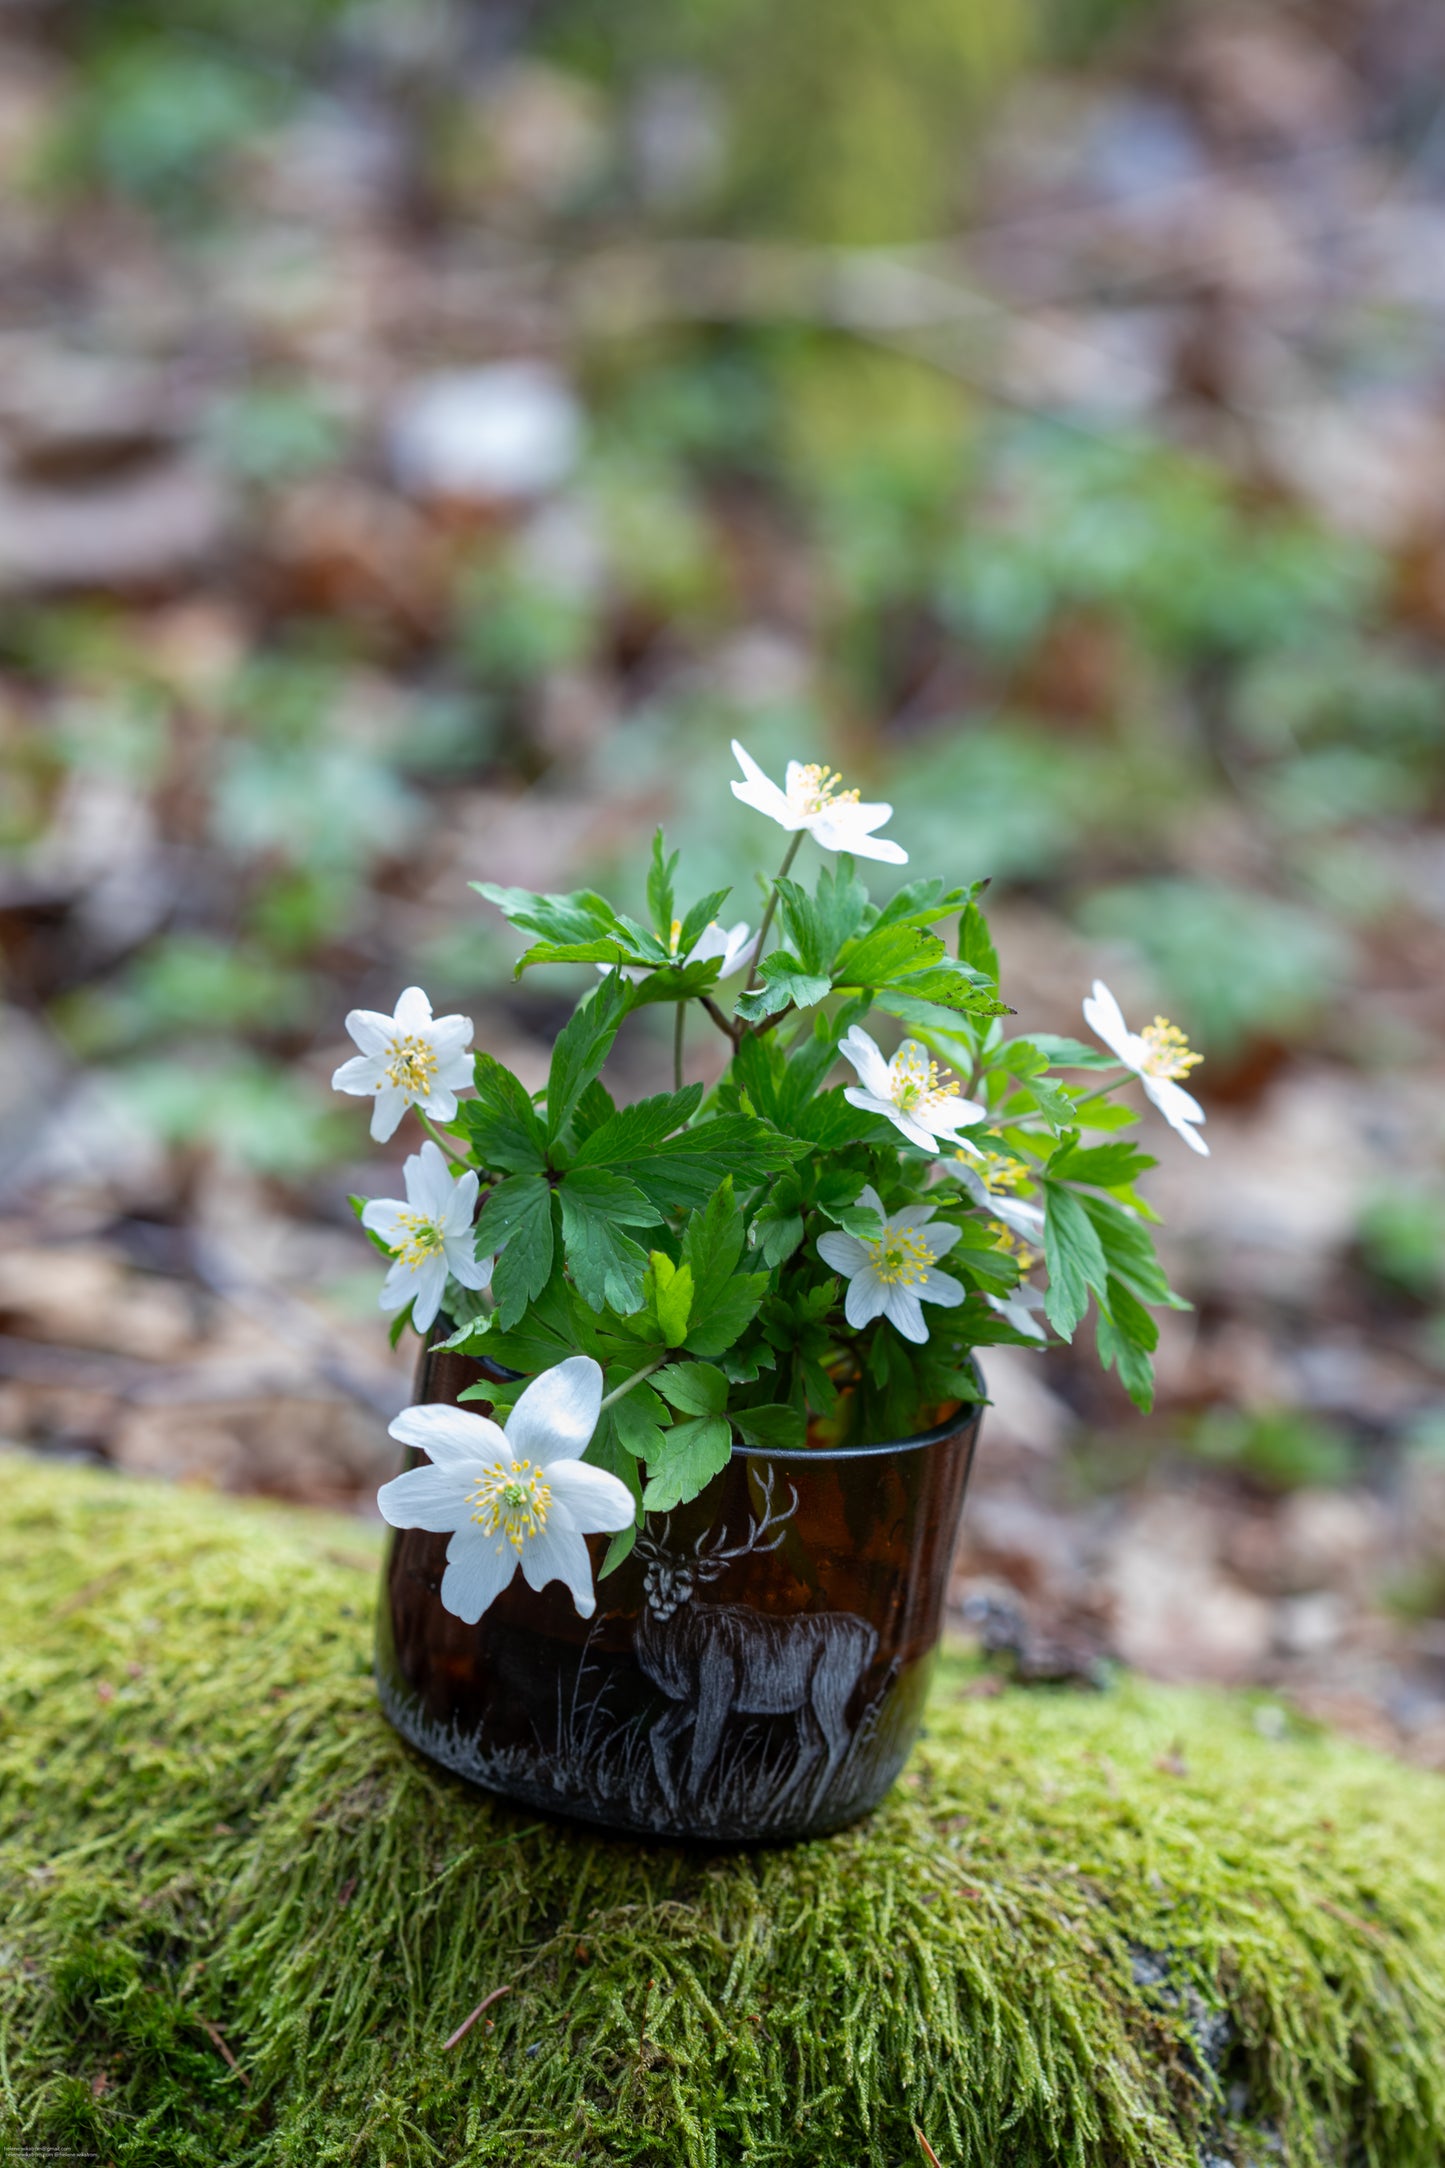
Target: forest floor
[[1105, 539]]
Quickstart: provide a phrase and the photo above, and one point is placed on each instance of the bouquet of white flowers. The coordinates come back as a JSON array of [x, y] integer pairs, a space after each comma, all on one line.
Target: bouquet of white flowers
[[807, 1255]]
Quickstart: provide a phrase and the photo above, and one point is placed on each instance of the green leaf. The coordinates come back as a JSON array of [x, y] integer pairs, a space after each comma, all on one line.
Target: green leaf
[[693, 1452], [1075, 1258], [784, 1429], [579, 917], [702, 914], [517, 1219], [501, 1123], [975, 943], [1105, 1166], [659, 887], [1121, 1344], [784, 981], [606, 1265], [692, 1388], [1129, 1251], [921, 903], [583, 1045], [682, 1173], [635, 1132], [639, 1419], [1065, 1053], [887, 954], [668, 1288], [820, 924], [595, 1107], [712, 1243]]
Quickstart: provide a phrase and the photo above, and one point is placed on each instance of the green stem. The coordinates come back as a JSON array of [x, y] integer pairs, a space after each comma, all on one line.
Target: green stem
[[458, 1159], [766, 928], [619, 1391], [677, 1029]]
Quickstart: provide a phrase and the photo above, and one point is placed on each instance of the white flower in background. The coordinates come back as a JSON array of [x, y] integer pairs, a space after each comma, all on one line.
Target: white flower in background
[[430, 1236], [993, 1184], [515, 1496], [730, 943], [412, 1059], [916, 1095], [1158, 1056], [893, 1275], [1021, 1306], [813, 800]]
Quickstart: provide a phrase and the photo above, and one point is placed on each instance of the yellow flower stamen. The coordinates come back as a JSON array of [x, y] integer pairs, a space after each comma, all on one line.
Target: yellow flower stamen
[[816, 788], [901, 1258], [1000, 1176], [512, 1501], [1168, 1054], [676, 936], [916, 1081], [1013, 1245], [413, 1064], [420, 1238]]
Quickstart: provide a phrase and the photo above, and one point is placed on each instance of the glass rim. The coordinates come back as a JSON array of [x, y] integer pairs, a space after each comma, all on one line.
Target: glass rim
[[966, 1416]]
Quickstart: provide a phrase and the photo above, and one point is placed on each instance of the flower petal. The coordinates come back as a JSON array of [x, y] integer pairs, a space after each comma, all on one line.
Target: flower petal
[[558, 1552], [941, 1238], [413, 1014], [892, 854], [440, 1102], [463, 1263], [452, 1436], [903, 1309], [382, 1216], [866, 1057], [478, 1569], [760, 793], [434, 1498], [845, 1253], [461, 1203], [372, 1031], [1105, 1019], [360, 1073], [942, 1288], [431, 1285], [1179, 1110], [913, 1129], [387, 1112], [593, 1498], [398, 1288], [555, 1417], [428, 1185], [866, 1299]]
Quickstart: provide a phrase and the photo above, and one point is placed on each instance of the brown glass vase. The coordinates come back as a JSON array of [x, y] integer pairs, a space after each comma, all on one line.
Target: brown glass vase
[[755, 1670]]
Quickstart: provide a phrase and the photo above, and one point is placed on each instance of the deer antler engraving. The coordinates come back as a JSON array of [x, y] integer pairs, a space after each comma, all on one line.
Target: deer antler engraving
[[709, 1555]]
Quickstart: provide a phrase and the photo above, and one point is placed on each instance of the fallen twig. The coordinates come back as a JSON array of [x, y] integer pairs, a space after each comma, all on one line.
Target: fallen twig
[[468, 2022], [928, 2153], [218, 2040]]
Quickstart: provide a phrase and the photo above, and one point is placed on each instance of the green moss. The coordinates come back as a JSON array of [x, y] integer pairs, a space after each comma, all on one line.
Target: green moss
[[210, 1836]]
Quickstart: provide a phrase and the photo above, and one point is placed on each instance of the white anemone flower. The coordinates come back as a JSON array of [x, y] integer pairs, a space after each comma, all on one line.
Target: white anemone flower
[[893, 1275], [1159, 1056], [430, 1236], [1021, 1306], [731, 943], [411, 1059], [519, 1495], [992, 1185], [918, 1097], [813, 800]]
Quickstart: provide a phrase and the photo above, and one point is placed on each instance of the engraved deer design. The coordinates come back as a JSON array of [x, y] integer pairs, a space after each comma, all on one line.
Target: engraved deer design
[[714, 1659]]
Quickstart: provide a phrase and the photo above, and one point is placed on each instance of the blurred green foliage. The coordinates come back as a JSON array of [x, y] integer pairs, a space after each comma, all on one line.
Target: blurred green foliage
[[1282, 1449]]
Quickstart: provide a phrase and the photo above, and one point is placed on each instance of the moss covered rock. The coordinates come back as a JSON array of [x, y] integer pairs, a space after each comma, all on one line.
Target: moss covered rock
[[243, 1920]]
